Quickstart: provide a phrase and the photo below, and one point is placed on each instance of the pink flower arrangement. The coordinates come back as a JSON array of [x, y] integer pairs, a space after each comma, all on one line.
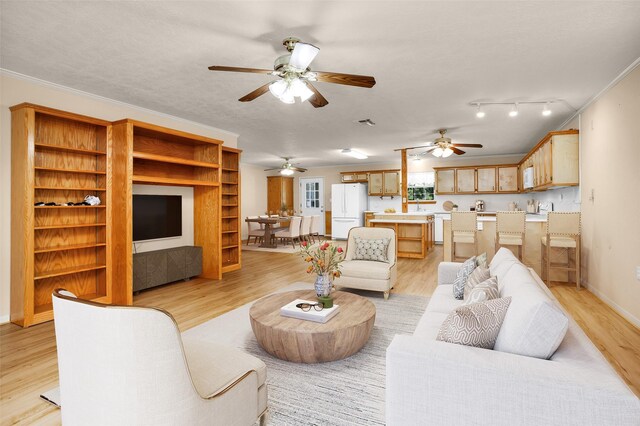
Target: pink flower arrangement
[[323, 259]]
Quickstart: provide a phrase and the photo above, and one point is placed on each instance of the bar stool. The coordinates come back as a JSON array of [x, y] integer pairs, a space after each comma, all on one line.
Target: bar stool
[[563, 232], [464, 230], [510, 229]]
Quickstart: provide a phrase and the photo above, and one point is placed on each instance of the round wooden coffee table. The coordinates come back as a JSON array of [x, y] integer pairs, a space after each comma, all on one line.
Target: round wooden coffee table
[[298, 340]]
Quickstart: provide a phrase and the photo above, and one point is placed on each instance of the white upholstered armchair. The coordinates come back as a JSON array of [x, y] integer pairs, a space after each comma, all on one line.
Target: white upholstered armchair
[[369, 274], [130, 365]]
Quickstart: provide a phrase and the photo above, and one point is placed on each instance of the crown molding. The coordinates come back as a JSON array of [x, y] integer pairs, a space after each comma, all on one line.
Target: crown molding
[[56, 86]]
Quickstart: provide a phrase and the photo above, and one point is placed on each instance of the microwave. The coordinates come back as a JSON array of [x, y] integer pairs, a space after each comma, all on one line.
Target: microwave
[[527, 181]]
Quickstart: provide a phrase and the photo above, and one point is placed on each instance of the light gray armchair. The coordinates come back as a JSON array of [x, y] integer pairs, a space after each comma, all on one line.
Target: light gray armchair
[[367, 274], [130, 365]]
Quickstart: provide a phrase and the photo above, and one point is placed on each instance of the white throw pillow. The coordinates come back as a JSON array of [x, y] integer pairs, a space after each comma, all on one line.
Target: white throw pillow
[[486, 290], [533, 326], [477, 276], [475, 325]]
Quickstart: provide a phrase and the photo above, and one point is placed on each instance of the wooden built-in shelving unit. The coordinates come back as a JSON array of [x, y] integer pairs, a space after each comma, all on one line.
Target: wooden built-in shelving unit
[[58, 157], [231, 227]]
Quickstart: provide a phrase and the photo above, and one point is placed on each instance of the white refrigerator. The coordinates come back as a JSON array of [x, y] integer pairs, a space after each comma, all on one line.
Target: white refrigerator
[[348, 203]]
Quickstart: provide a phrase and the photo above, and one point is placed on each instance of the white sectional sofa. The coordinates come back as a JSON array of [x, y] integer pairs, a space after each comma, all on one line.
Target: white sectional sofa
[[431, 382]]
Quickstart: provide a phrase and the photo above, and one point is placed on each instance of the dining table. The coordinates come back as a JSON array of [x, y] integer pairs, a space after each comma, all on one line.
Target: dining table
[[268, 223]]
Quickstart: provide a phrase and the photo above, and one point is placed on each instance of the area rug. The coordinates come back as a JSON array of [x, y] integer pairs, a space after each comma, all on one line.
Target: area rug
[[346, 392], [285, 248]]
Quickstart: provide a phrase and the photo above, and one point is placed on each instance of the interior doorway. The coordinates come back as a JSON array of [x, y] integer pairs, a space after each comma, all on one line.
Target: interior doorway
[[312, 199]]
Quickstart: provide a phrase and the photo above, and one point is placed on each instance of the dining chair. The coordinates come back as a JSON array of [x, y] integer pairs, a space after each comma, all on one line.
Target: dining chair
[[305, 228], [256, 230], [314, 228], [292, 233]]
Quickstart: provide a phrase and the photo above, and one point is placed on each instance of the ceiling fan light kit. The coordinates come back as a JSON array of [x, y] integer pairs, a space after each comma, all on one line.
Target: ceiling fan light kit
[[355, 154], [295, 76], [286, 172], [515, 110]]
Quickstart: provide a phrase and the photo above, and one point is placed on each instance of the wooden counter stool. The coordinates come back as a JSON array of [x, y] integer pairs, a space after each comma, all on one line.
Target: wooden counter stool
[[464, 230], [563, 232], [510, 230]]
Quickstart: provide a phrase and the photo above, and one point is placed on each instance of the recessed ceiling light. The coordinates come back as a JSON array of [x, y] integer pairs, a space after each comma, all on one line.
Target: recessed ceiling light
[[546, 111], [480, 113], [514, 111], [355, 154]]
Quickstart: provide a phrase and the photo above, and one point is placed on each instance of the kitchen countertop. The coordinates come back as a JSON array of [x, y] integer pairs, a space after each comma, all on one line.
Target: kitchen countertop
[[412, 221], [529, 218], [422, 213]]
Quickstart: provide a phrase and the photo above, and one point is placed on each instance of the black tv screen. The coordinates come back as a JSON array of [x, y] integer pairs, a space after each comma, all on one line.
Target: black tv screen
[[156, 216]]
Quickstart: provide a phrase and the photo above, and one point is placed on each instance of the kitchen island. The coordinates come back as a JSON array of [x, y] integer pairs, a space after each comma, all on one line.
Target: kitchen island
[[414, 231], [535, 229]]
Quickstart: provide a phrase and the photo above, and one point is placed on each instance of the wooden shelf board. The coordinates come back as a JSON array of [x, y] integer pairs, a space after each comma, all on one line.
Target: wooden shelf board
[[229, 246], [409, 238], [53, 169], [69, 271], [229, 205], [101, 206], [230, 232], [226, 169], [229, 183], [69, 188], [172, 181], [229, 193], [231, 266], [48, 307], [229, 217], [69, 149], [77, 225], [71, 247], [174, 160]]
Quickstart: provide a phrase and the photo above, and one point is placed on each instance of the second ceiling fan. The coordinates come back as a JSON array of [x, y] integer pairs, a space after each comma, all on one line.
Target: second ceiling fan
[[442, 146], [295, 76]]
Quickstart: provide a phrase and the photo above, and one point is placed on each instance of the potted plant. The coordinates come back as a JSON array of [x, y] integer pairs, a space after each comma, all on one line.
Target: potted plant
[[324, 260], [283, 210]]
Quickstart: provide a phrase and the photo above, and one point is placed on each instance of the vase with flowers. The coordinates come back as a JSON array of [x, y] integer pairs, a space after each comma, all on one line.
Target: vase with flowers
[[324, 260]]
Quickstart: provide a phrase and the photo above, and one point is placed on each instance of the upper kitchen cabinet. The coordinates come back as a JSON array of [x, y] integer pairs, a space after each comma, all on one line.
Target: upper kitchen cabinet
[[384, 183], [554, 162], [354, 177], [465, 181], [486, 179], [508, 179], [445, 181]]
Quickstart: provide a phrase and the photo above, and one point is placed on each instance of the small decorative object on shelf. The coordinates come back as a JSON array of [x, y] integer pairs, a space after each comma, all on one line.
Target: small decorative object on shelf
[[454, 208], [325, 261]]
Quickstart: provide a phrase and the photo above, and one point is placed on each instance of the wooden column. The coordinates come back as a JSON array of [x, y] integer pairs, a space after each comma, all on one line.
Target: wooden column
[[404, 192]]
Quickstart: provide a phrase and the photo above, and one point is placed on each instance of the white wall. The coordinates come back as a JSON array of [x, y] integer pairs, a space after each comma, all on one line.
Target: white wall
[[186, 239], [610, 170], [253, 197], [15, 89]]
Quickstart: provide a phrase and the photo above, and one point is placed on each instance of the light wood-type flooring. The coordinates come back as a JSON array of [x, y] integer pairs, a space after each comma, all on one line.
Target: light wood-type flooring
[[28, 362]]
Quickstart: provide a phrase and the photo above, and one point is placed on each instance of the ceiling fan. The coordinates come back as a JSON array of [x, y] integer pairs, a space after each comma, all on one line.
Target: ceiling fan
[[287, 168], [442, 146], [295, 76]]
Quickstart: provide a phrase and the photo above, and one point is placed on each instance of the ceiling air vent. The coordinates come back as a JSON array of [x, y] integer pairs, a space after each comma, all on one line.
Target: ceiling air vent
[[367, 121]]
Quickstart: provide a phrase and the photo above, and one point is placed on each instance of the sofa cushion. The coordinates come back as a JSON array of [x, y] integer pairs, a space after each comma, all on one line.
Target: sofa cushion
[[533, 326], [442, 300], [481, 260], [476, 325], [486, 290], [501, 263], [371, 249], [429, 325], [365, 269], [478, 275], [461, 277]]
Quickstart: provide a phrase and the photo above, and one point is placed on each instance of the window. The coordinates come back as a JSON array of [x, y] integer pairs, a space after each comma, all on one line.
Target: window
[[420, 186]]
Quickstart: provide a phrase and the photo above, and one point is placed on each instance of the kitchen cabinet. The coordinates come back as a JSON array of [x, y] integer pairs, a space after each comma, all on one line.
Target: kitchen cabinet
[[486, 179], [384, 183], [355, 177], [465, 181], [555, 161], [445, 181], [391, 183], [508, 179]]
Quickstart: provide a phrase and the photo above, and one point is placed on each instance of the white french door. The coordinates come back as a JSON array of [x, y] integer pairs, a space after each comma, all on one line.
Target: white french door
[[312, 198]]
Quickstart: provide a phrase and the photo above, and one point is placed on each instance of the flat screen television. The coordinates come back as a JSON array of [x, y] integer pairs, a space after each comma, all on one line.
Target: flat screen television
[[156, 216]]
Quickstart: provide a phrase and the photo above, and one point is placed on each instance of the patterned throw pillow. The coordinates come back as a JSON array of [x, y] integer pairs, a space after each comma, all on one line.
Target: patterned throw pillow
[[374, 249], [478, 275], [475, 325], [481, 260], [461, 278], [482, 292]]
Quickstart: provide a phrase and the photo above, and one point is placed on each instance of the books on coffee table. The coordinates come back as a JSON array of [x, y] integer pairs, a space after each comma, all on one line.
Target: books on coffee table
[[290, 310]]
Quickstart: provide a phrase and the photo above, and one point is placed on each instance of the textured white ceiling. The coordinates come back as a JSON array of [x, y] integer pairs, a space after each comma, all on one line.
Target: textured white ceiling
[[430, 59]]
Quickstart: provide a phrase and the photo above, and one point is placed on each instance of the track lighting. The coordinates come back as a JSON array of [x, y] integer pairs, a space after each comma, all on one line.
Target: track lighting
[[546, 111], [514, 110], [480, 113]]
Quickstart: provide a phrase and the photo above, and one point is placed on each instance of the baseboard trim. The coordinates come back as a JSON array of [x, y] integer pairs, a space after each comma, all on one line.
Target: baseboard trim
[[613, 305], [5, 319]]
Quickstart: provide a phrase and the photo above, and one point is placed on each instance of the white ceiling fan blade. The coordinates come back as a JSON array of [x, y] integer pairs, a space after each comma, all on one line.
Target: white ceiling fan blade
[[303, 54]]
